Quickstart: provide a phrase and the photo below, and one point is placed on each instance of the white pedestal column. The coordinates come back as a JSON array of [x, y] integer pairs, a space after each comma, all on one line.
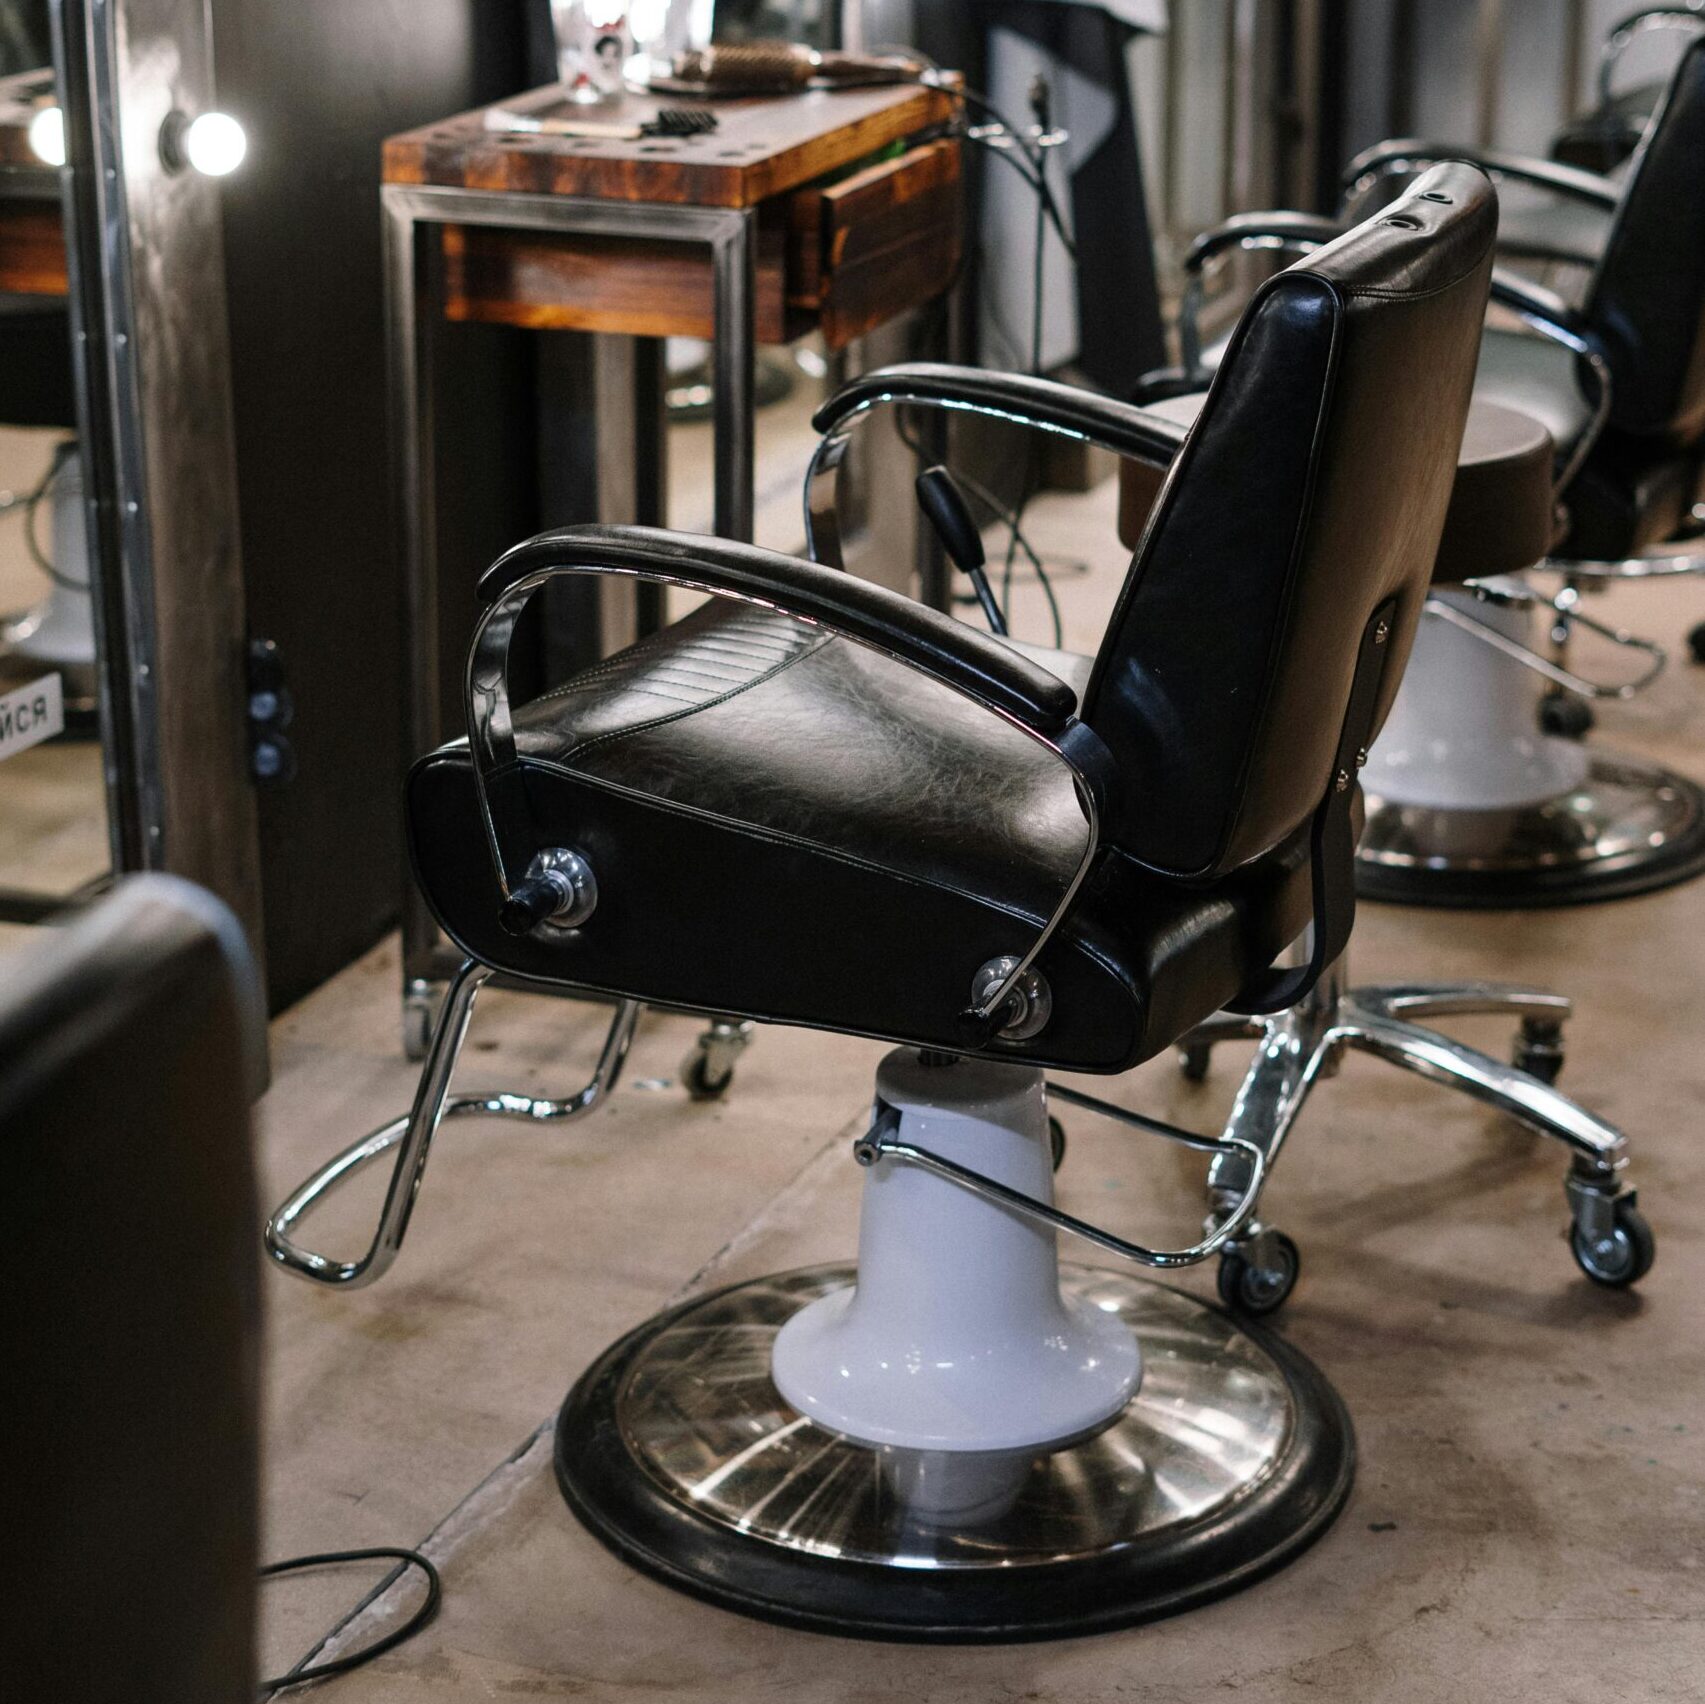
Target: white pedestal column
[[1464, 732], [956, 1337]]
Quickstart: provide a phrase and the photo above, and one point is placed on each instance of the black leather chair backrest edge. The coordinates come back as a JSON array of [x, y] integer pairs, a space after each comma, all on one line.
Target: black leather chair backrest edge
[[1312, 489], [1646, 298], [130, 1335]]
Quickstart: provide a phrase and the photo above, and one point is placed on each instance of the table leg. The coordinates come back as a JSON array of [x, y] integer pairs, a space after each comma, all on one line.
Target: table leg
[[734, 267], [411, 402]]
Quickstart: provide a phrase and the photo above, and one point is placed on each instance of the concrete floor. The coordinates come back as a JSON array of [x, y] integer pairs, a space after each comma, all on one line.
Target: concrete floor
[[1529, 1518]]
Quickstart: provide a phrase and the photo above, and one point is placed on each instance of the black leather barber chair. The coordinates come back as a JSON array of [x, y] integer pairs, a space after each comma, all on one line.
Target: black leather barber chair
[[1619, 383], [816, 802], [129, 1349], [1603, 138]]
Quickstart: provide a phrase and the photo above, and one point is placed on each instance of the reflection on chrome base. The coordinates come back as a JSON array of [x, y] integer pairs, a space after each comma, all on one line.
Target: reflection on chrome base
[[1628, 827], [678, 1452]]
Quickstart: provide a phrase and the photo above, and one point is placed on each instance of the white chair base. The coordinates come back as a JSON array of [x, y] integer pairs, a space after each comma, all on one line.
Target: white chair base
[[959, 1440], [1470, 804]]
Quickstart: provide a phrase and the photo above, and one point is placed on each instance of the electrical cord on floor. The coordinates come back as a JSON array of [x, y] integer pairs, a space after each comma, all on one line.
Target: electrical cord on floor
[[335, 1558], [30, 502]]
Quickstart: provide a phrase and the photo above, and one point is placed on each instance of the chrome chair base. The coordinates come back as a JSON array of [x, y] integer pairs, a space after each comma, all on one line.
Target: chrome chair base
[[1629, 827], [677, 1452], [1297, 1049]]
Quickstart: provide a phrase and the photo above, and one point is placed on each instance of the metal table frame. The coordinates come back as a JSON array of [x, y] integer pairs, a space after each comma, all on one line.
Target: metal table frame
[[413, 214]]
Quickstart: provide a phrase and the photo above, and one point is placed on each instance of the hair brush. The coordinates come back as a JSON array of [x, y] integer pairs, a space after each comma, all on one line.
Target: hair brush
[[778, 68]]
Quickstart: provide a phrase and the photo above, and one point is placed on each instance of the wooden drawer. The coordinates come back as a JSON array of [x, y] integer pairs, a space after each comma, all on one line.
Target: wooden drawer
[[32, 249], [845, 255], [874, 244]]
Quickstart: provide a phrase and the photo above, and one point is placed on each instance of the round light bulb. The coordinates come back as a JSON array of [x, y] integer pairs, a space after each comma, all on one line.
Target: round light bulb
[[214, 144], [47, 136]]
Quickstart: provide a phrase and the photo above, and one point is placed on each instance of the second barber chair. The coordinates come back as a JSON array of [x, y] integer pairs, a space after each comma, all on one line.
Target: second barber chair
[[1472, 801], [816, 802]]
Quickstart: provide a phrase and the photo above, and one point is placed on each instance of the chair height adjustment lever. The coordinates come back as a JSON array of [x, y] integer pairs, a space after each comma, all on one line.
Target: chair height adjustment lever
[[944, 503], [558, 892]]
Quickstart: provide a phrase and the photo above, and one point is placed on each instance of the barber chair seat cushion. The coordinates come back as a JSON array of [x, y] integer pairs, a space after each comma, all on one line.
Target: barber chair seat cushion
[[899, 836], [1537, 377], [1535, 225], [1501, 517]]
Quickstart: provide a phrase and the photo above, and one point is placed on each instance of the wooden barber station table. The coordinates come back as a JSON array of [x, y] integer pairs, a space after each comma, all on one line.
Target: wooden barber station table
[[828, 211]]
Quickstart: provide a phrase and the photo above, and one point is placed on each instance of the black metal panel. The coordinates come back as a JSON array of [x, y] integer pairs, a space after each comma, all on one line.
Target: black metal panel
[[318, 84]]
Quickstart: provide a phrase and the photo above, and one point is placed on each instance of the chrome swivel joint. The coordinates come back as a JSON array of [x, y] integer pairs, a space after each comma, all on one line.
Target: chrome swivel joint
[[559, 892]]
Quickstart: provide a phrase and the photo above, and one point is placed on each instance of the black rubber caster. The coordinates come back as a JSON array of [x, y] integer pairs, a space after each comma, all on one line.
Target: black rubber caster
[[1539, 1049], [1696, 642], [1057, 1140], [1622, 1258], [1257, 1276], [1560, 713], [1193, 1060], [699, 1084]]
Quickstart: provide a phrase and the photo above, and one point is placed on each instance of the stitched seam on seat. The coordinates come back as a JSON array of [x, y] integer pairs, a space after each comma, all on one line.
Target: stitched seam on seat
[[616, 668], [615, 734]]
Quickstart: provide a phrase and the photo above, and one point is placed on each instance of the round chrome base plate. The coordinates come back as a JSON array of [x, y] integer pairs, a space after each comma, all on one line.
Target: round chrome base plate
[[677, 1452], [1630, 827]]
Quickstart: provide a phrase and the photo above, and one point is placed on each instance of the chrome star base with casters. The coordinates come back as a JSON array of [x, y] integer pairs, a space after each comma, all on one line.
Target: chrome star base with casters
[[958, 1441], [1470, 804], [1608, 1236]]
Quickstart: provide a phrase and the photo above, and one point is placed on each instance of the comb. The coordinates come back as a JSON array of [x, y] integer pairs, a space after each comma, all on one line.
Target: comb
[[667, 121]]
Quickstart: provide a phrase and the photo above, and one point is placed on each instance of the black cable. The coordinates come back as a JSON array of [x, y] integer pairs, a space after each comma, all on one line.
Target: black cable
[[1039, 103], [1032, 173], [29, 503], [335, 1558]]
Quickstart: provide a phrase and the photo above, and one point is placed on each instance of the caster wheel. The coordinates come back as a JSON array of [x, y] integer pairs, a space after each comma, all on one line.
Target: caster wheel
[[1193, 1060], [1057, 1140], [1570, 717], [1539, 1050], [699, 1084], [1696, 642], [1257, 1277], [1620, 1259]]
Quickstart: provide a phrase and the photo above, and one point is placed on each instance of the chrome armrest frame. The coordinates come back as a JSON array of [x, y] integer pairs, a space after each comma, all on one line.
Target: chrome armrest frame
[[491, 739], [1285, 233], [1548, 316], [822, 474], [1646, 21], [881, 1142], [1506, 590]]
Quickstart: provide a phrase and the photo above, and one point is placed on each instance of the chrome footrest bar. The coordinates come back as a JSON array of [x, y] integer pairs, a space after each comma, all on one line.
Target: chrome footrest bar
[[881, 1142], [1566, 611], [413, 1133]]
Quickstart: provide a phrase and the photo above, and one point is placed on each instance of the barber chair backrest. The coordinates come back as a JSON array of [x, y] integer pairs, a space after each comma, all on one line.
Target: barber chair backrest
[[1311, 491], [129, 1268], [1646, 301]]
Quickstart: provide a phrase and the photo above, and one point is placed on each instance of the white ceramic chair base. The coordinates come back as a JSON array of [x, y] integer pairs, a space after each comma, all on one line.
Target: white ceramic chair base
[[961, 1440], [1470, 804]]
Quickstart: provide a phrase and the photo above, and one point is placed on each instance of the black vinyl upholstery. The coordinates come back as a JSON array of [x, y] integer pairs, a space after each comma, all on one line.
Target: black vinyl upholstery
[[787, 825], [129, 1055], [1644, 304]]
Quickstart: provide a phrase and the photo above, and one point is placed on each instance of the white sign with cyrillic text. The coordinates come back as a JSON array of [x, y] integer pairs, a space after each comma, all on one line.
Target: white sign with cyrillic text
[[31, 714]]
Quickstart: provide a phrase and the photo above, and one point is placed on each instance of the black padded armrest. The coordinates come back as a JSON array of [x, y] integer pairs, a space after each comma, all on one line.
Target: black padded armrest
[[1524, 168], [1290, 228], [959, 656], [1118, 426]]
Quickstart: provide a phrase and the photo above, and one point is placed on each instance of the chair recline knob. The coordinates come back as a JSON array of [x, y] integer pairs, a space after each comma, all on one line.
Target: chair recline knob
[[558, 892]]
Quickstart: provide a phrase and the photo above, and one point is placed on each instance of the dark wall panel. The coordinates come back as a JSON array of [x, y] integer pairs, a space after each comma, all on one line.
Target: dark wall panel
[[318, 84]]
